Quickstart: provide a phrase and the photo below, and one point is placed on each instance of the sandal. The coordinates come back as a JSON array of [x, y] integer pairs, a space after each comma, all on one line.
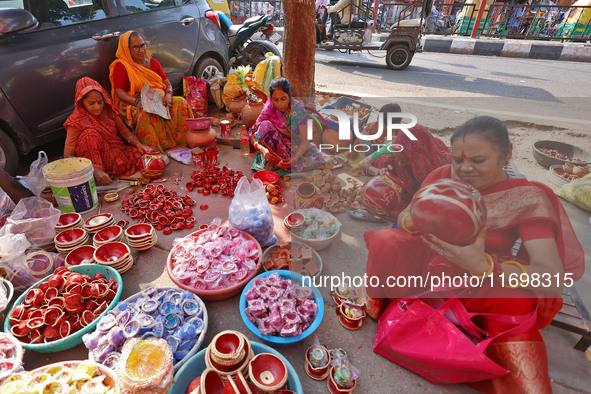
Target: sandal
[[364, 215]]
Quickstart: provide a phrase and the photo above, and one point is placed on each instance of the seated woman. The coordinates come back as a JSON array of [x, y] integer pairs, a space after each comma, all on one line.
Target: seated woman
[[516, 208], [92, 133], [280, 133], [133, 68]]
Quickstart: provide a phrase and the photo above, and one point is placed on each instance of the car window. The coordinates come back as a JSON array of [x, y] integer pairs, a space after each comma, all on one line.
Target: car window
[[133, 6], [54, 13]]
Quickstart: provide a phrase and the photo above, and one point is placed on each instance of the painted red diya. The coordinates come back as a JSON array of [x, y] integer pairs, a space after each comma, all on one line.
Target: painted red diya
[[151, 165], [381, 195], [337, 377], [351, 315], [294, 221], [268, 372], [317, 364], [450, 209]]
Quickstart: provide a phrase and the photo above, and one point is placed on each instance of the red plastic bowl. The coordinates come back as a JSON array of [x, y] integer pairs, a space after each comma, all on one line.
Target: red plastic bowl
[[111, 252], [139, 230], [267, 177], [70, 236], [222, 294], [78, 255], [199, 123], [108, 233], [67, 219], [450, 209]]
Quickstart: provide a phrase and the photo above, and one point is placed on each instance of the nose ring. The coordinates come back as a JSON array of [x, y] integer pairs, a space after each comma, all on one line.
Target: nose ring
[[470, 168]]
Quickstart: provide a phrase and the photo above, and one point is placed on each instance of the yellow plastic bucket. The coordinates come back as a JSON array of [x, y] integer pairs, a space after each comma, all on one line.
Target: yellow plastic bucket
[[72, 183]]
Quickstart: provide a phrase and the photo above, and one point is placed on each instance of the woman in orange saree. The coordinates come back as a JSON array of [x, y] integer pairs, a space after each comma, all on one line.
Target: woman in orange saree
[[133, 68], [516, 209]]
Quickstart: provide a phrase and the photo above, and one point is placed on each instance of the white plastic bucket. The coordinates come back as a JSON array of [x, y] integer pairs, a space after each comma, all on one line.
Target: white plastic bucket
[[72, 183]]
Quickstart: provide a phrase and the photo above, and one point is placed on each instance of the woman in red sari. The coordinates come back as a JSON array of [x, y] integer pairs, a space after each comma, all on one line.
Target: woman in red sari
[[516, 209], [92, 132]]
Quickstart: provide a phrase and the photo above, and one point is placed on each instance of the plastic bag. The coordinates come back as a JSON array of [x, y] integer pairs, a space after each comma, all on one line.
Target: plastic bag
[[195, 91], [266, 71], [34, 180], [237, 81], [180, 154], [6, 207], [250, 211], [216, 88], [145, 366], [578, 192], [34, 217]]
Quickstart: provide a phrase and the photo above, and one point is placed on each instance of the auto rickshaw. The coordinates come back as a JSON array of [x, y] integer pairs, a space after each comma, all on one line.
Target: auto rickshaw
[[577, 24], [355, 34]]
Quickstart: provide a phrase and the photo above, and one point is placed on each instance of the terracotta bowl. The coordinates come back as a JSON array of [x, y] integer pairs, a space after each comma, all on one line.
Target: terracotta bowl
[[108, 233], [69, 237], [139, 230], [568, 167], [68, 219], [581, 171], [81, 255], [450, 209], [39, 264], [98, 220], [111, 253], [294, 221], [268, 372], [227, 346]]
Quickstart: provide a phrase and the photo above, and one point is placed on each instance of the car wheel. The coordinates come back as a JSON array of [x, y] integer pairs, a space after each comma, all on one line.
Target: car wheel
[[398, 57], [8, 154], [207, 68], [255, 52]]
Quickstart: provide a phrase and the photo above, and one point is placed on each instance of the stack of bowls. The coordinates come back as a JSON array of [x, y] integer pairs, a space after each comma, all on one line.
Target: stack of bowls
[[68, 221], [81, 255], [141, 236], [68, 240], [98, 222], [116, 255], [106, 235], [229, 354]]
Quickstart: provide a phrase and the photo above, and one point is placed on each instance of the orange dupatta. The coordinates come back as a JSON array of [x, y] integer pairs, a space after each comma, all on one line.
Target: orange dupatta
[[138, 75]]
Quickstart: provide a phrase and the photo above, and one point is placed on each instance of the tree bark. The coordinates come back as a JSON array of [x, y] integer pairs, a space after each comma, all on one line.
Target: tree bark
[[299, 46]]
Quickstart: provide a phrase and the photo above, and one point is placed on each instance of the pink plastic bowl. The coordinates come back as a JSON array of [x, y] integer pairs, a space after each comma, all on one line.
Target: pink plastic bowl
[[111, 252], [199, 123]]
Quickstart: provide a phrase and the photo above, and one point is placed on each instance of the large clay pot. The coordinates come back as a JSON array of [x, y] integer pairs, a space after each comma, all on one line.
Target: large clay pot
[[151, 165], [450, 209], [200, 138], [251, 112], [308, 196], [380, 195], [237, 105]]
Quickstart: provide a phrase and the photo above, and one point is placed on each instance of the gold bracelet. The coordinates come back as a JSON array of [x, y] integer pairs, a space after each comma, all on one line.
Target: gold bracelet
[[521, 267], [490, 269], [403, 225]]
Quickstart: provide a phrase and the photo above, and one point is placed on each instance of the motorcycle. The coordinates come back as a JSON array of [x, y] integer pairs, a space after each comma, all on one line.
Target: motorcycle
[[242, 49]]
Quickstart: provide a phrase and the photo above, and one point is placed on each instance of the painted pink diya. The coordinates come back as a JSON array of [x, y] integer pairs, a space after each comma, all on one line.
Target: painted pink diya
[[340, 380], [351, 316], [268, 372], [445, 205], [317, 364]]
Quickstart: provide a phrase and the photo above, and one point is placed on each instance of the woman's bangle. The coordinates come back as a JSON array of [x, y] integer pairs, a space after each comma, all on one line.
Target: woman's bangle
[[366, 168], [521, 268], [491, 268], [403, 225], [136, 102]]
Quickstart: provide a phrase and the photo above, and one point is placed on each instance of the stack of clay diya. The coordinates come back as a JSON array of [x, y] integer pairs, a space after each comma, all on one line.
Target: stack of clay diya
[[116, 255], [106, 235], [232, 367], [350, 310], [81, 255], [162, 208], [141, 236], [68, 240], [333, 364], [98, 222], [68, 221]]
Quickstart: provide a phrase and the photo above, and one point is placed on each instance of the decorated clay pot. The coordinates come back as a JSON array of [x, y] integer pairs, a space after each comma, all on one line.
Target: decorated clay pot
[[351, 315], [251, 112], [317, 364], [151, 165], [339, 376], [381, 195], [237, 105], [450, 209], [200, 138], [308, 196]]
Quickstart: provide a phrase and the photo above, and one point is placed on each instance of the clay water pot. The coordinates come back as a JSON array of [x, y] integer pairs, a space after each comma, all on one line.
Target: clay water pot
[[151, 165], [308, 196], [237, 105], [251, 112], [450, 209], [200, 138], [380, 195]]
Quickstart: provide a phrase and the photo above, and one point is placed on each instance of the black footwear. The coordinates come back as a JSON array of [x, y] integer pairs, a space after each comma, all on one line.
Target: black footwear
[[364, 215]]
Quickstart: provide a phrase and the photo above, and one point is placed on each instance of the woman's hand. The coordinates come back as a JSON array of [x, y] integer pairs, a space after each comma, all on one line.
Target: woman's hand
[[471, 257], [168, 100], [144, 148], [102, 178]]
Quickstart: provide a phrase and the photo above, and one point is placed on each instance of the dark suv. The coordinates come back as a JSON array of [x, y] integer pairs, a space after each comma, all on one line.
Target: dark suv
[[47, 45]]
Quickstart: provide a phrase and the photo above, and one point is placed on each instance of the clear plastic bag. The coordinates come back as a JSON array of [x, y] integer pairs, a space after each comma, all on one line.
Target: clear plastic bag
[[34, 217], [6, 207], [34, 180], [250, 211]]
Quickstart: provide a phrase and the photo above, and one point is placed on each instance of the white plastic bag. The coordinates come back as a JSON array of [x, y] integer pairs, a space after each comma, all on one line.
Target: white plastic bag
[[34, 180], [250, 211], [34, 217], [180, 154]]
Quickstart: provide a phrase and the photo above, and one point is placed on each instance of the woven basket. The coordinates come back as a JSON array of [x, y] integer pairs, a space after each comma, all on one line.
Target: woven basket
[[571, 151]]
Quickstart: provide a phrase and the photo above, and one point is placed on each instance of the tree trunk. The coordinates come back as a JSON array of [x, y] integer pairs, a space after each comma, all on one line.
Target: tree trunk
[[299, 46]]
